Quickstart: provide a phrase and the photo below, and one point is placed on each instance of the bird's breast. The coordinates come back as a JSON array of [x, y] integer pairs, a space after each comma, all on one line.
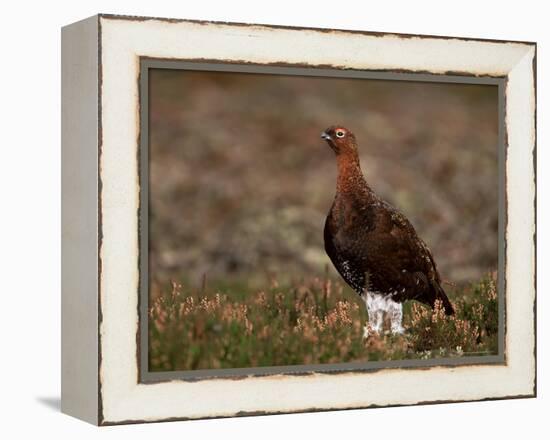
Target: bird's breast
[[351, 217], [348, 234]]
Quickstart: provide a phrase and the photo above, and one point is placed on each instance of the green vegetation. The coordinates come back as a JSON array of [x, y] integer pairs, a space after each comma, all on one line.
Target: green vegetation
[[312, 322]]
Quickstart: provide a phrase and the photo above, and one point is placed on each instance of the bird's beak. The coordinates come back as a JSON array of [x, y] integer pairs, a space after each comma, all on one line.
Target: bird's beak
[[325, 136]]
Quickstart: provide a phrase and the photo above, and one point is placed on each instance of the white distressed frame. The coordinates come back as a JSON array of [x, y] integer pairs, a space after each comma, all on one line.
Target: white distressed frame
[[122, 41]]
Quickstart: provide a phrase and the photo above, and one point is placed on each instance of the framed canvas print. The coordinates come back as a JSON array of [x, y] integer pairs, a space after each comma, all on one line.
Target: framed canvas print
[[263, 220]]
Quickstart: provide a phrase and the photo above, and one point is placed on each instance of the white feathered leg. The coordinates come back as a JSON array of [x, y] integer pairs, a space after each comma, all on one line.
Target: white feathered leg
[[396, 317], [375, 312], [377, 306]]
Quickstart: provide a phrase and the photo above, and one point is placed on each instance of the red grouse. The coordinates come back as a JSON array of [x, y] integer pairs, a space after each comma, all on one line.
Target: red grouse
[[373, 246]]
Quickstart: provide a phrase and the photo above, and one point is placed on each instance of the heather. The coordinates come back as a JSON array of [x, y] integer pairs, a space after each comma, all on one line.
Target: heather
[[308, 322]]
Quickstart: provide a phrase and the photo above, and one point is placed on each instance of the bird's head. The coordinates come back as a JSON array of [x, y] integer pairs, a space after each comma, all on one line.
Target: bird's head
[[340, 139]]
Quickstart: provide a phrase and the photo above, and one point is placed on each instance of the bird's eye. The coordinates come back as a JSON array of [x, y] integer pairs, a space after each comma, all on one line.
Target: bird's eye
[[340, 134]]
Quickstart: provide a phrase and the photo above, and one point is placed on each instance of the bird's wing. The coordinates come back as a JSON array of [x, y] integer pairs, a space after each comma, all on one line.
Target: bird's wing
[[386, 256], [399, 260]]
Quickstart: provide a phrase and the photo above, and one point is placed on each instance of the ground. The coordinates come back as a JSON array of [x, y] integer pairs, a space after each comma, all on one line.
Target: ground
[[309, 322]]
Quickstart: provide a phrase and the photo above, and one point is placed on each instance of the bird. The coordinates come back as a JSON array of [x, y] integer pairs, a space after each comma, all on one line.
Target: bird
[[373, 246]]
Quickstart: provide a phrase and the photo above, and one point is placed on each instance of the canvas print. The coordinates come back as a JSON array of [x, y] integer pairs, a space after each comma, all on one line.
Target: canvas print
[[306, 220]]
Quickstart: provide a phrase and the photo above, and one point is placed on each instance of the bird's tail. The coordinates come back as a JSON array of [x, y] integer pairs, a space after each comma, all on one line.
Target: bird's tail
[[442, 296]]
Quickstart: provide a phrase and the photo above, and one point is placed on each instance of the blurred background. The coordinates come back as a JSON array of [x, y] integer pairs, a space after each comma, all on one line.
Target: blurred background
[[240, 181]]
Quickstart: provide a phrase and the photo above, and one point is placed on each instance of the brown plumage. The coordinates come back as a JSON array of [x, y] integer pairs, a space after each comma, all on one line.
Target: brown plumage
[[372, 245]]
